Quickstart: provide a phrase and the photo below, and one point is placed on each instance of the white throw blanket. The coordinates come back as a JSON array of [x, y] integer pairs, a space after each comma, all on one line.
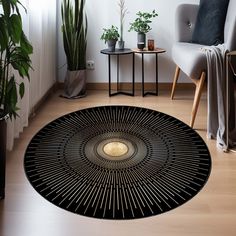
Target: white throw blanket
[[216, 76]]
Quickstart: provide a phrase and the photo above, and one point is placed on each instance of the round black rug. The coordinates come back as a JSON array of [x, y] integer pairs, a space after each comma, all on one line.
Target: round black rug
[[117, 162]]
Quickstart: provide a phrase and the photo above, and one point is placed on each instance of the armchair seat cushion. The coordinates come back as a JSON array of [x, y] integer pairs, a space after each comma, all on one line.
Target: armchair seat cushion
[[190, 58]]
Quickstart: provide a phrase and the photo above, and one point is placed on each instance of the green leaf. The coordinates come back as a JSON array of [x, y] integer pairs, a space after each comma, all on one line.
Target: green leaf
[[25, 44], [22, 89], [14, 6], [12, 91], [6, 7], [3, 35], [21, 62], [10, 97], [15, 28]]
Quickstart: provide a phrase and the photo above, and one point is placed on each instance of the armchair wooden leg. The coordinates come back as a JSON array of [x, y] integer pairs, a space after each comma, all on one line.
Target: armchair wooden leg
[[199, 87], [177, 70]]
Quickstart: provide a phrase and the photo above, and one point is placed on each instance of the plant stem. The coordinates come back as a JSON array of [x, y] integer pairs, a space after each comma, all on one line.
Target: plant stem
[[4, 80], [123, 12]]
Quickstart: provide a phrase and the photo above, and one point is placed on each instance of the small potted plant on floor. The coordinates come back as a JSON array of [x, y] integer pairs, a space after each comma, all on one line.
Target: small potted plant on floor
[[74, 32], [110, 36], [142, 26]]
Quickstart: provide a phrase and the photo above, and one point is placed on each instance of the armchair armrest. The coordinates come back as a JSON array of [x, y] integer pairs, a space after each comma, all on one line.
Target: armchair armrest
[[185, 19]]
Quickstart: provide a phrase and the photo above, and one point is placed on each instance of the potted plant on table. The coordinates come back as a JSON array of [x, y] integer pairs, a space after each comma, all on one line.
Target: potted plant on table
[[142, 26], [110, 36], [15, 51], [122, 11], [74, 31]]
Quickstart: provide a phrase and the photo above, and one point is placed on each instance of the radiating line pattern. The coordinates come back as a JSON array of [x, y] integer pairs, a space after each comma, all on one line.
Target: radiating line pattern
[[168, 165]]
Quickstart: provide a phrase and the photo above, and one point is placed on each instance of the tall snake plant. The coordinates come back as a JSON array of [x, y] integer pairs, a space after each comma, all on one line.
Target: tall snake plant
[[74, 30]]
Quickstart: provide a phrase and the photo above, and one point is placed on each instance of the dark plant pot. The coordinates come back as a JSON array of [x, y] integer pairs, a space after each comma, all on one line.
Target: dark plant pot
[[111, 45], [75, 84], [141, 41], [3, 141], [121, 45]]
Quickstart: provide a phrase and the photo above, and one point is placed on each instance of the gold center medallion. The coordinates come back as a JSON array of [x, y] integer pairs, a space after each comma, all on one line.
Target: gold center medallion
[[115, 149]]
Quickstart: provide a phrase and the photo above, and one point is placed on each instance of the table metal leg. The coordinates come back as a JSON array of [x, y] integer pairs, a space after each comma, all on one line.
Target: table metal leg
[[156, 87], [118, 73], [143, 75], [109, 73], [133, 75], [156, 74], [131, 93]]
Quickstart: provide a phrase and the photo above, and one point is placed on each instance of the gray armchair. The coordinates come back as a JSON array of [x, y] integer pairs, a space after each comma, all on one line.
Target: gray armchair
[[189, 57]]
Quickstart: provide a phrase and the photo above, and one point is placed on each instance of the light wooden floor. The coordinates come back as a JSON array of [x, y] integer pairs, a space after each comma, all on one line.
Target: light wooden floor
[[212, 212]]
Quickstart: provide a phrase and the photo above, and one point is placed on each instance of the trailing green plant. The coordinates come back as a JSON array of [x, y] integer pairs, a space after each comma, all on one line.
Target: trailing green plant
[[142, 23], [74, 30], [110, 34], [122, 11], [15, 50]]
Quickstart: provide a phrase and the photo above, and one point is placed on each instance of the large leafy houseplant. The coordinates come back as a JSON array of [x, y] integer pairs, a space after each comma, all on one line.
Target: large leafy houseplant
[[15, 51], [74, 31]]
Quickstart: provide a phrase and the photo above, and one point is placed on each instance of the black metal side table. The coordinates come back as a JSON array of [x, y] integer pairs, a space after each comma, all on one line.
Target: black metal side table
[[156, 51], [119, 53]]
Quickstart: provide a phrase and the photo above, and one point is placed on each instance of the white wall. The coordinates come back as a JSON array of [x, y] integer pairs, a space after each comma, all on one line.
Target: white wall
[[101, 14]]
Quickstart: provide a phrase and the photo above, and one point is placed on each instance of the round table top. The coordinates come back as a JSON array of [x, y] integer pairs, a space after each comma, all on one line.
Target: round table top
[[117, 51], [145, 50]]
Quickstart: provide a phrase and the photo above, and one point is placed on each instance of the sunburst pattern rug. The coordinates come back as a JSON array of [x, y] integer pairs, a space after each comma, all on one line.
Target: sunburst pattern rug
[[117, 162]]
